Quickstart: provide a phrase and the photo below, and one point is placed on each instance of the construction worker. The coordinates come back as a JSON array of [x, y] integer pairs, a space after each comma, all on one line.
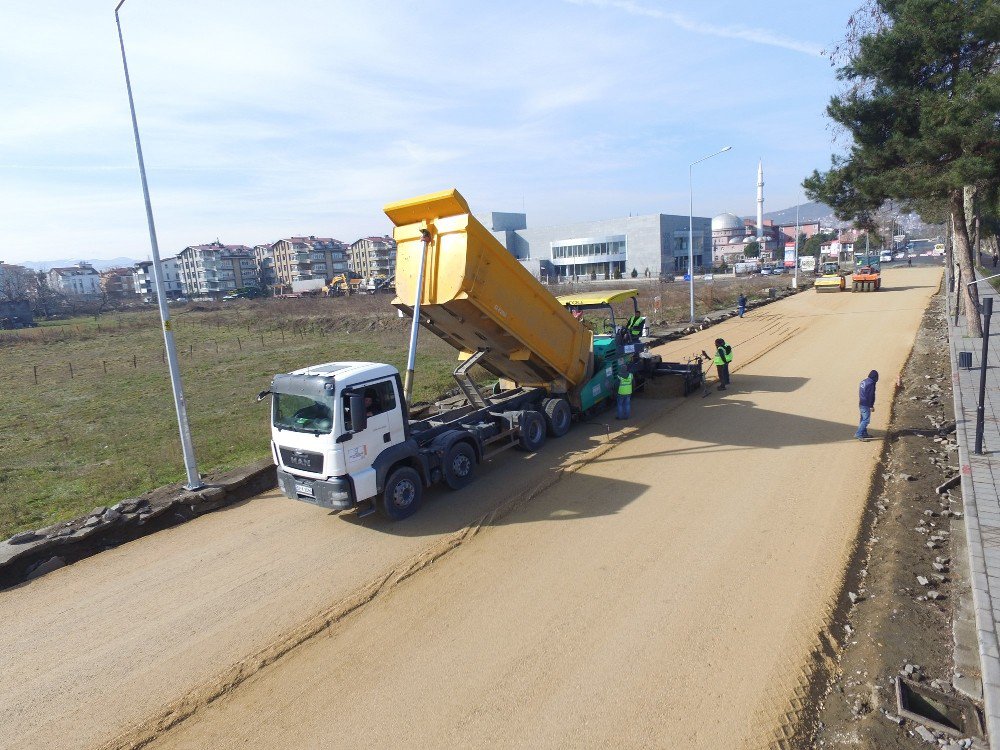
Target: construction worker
[[866, 404], [723, 356], [634, 326], [625, 395]]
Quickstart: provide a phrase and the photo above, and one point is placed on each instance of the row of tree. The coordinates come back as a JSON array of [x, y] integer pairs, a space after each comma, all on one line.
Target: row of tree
[[921, 104]]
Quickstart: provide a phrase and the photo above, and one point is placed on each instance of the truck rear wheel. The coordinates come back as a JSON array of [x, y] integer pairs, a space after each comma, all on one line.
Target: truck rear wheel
[[532, 435], [558, 417], [459, 465], [402, 494]]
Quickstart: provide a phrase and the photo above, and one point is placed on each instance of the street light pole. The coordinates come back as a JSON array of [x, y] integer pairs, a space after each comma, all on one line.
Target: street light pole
[[691, 223], [795, 270], [193, 477]]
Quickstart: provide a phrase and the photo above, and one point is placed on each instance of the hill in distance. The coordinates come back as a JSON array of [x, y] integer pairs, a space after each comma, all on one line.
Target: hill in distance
[[99, 264], [808, 212]]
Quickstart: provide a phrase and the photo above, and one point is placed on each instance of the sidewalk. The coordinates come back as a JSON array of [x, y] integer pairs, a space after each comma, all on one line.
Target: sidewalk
[[981, 492]]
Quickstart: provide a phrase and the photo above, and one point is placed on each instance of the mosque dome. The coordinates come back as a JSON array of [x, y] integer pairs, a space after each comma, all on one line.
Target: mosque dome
[[726, 222]]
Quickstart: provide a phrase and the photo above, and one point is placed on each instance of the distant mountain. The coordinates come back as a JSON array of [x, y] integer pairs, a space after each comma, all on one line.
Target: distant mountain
[[100, 264], [807, 212]]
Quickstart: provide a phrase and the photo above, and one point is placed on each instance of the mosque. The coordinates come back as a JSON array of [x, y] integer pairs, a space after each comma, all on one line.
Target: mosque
[[731, 234]]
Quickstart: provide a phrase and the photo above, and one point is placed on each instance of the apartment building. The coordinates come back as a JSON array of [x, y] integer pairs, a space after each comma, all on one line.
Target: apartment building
[[118, 283], [78, 280], [302, 258], [145, 287], [373, 257], [215, 269]]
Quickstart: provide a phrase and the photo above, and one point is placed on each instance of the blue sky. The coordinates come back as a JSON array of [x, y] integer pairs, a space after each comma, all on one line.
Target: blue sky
[[261, 120]]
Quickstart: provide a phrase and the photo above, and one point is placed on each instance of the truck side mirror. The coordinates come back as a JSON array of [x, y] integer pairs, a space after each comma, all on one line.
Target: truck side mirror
[[262, 395], [359, 418]]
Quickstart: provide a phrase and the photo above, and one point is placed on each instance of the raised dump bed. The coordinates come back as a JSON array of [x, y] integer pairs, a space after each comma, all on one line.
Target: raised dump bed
[[478, 297]]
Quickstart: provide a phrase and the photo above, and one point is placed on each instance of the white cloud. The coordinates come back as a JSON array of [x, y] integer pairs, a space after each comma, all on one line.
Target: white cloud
[[745, 33]]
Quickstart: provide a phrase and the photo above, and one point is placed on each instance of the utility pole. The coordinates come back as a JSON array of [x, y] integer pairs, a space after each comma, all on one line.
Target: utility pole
[[193, 477]]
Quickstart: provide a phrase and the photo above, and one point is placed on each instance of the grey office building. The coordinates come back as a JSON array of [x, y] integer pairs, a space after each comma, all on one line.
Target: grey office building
[[654, 245]]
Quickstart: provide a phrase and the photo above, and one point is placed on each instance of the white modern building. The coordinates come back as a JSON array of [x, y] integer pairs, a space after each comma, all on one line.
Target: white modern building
[[145, 287], [652, 246], [80, 280]]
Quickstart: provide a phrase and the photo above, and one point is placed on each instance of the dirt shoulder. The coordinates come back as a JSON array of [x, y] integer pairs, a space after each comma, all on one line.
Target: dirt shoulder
[[896, 619]]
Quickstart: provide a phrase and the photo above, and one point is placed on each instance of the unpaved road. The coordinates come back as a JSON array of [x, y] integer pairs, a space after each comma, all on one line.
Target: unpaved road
[[672, 590]]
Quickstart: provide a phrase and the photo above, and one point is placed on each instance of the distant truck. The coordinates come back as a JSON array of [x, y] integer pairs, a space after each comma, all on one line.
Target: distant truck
[[807, 264], [308, 286]]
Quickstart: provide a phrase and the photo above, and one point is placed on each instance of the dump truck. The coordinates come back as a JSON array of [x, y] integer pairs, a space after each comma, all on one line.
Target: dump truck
[[867, 276], [832, 280], [342, 434]]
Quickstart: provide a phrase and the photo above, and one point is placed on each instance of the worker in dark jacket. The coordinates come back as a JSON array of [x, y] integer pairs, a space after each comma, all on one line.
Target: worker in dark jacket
[[741, 304], [866, 404]]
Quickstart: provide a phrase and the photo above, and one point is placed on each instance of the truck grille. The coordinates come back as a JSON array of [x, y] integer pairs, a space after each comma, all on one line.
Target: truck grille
[[303, 460]]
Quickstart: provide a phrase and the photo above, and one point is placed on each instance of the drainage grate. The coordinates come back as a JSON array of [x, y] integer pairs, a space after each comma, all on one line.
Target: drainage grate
[[958, 717]]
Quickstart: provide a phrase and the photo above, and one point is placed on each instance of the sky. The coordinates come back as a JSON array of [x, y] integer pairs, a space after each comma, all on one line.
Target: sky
[[263, 120]]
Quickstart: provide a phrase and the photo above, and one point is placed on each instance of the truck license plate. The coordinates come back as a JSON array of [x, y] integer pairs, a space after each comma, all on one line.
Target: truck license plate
[[304, 489]]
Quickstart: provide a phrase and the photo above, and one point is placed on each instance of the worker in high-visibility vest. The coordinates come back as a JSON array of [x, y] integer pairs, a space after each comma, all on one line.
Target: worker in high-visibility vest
[[635, 325], [723, 356], [625, 395]]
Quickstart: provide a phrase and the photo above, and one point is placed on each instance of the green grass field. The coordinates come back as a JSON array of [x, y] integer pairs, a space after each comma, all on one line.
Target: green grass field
[[99, 424]]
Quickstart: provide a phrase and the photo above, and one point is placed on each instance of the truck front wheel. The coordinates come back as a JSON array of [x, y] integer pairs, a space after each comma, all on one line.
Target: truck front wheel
[[459, 465], [402, 494], [532, 435]]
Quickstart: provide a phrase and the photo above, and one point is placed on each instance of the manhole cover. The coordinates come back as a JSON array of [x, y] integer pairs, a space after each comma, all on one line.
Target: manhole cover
[[958, 717]]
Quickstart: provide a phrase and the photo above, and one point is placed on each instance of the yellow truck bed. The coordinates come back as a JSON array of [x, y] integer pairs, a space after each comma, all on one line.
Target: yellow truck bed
[[476, 295]]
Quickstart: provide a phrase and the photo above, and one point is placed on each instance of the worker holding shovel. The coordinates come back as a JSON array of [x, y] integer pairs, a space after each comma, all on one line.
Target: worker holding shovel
[[723, 356]]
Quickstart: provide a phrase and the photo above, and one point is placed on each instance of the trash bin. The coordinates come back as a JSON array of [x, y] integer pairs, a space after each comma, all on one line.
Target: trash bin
[[965, 360]]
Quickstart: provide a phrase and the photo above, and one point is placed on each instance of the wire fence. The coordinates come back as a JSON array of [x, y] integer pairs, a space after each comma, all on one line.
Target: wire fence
[[124, 361]]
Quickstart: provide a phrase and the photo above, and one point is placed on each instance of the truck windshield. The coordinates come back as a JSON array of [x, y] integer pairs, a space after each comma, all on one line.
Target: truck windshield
[[302, 414]]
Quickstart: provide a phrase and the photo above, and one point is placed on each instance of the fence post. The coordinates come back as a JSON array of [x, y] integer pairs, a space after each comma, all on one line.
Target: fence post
[[240, 345], [981, 409], [135, 362], [216, 346], [105, 363], [262, 341], [35, 368], [70, 370]]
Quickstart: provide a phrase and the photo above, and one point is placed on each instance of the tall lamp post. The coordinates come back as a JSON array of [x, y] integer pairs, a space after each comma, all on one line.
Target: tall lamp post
[[193, 477], [691, 223], [795, 255]]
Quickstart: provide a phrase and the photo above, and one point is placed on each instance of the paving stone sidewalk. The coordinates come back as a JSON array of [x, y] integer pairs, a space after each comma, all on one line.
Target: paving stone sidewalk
[[980, 483]]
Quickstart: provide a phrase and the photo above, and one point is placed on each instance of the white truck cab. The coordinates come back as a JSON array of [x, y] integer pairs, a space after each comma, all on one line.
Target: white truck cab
[[329, 424]]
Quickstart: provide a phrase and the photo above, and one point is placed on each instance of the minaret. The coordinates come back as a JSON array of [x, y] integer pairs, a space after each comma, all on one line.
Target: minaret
[[760, 203]]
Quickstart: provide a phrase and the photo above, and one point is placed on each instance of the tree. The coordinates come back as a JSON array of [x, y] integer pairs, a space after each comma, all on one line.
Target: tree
[[15, 283], [920, 104], [751, 249]]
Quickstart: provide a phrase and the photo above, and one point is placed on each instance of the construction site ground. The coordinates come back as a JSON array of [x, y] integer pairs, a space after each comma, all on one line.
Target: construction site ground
[[895, 620], [666, 582]]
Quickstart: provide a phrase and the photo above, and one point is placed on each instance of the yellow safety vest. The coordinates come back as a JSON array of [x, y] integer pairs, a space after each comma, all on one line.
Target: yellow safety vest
[[625, 385], [720, 357], [729, 352]]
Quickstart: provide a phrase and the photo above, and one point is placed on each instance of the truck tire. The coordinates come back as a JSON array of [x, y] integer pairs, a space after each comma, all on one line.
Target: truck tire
[[558, 416], [532, 433], [459, 465], [402, 494]]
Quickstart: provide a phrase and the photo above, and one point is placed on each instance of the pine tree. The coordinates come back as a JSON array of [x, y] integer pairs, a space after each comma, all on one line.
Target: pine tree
[[922, 105]]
